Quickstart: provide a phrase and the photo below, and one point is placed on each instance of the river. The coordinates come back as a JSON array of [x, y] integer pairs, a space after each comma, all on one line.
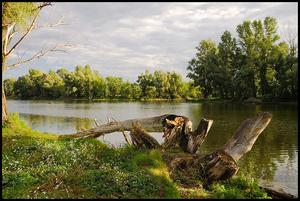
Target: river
[[274, 156]]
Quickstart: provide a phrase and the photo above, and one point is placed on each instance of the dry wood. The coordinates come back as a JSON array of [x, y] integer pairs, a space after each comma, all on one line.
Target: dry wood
[[245, 136], [141, 138], [177, 131], [276, 193], [218, 165], [221, 164], [152, 124]]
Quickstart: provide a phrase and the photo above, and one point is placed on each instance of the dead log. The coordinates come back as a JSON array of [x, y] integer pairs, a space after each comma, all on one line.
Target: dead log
[[177, 131], [276, 192], [152, 124], [218, 165], [221, 164], [141, 138]]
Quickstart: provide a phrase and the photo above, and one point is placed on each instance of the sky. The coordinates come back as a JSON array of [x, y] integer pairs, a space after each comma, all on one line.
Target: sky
[[125, 39]]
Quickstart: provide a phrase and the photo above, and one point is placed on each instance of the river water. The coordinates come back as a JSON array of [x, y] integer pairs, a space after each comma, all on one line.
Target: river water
[[274, 156]]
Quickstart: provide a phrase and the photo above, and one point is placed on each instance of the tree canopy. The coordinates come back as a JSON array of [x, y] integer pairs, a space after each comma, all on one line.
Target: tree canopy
[[256, 64]]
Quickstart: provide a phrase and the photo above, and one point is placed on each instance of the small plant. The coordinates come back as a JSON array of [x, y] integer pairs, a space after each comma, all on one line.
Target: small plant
[[240, 187]]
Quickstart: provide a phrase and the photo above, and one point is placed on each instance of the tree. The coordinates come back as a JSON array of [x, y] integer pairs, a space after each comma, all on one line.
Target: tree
[[247, 44], [145, 80], [23, 87], [176, 85], [100, 88], [151, 92], [53, 85], [136, 91], [227, 62], [114, 86], [18, 17], [126, 90], [161, 81], [9, 86], [200, 67]]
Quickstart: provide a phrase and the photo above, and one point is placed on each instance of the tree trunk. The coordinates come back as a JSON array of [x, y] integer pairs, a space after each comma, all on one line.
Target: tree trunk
[[4, 107], [177, 131], [221, 164], [218, 165], [4, 104], [152, 124]]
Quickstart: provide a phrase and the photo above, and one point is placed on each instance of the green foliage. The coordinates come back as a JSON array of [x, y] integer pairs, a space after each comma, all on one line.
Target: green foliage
[[256, 64], [114, 86], [18, 12], [200, 68], [88, 84], [240, 187], [15, 126], [8, 85], [71, 168]]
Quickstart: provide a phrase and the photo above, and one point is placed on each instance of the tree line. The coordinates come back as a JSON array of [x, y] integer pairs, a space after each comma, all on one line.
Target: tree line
[[255, 64], [86, 83]]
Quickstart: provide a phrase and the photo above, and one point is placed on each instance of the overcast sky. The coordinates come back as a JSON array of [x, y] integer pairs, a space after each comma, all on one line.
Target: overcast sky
[[125, 39]]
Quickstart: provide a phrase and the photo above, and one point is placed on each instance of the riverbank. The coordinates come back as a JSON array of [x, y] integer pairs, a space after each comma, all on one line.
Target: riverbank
[[183, 100], [37, 165]]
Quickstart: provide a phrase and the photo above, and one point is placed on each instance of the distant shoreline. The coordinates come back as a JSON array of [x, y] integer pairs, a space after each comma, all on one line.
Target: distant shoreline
[[154, 100]]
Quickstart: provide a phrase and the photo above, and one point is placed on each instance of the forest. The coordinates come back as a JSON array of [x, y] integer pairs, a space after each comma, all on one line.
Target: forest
[[257, 64], [88, 84]]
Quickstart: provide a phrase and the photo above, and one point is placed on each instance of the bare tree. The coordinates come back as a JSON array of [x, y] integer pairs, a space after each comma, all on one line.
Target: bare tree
[[290, 35]]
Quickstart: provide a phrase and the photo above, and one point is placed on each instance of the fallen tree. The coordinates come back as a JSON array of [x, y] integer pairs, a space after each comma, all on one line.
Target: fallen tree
[[177, 132]]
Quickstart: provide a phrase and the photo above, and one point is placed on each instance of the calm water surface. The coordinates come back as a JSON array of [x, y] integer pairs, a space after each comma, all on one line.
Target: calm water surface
[[274, 156]]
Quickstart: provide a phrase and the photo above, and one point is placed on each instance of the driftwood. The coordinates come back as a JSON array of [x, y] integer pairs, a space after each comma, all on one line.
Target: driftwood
[[218, 165], [275, 191]]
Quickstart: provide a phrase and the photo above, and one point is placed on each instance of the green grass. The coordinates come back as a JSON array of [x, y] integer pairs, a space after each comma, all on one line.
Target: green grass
[[38, 165], [239, 187], [17, 127]]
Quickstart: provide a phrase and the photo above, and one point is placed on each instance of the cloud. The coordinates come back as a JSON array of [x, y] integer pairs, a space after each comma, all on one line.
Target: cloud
[[125, 39]]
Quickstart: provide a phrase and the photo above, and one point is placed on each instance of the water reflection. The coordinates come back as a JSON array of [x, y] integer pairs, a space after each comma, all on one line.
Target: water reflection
[[274, 156]]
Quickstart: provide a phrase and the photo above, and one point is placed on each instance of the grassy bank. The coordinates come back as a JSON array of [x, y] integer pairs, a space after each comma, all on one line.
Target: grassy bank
[[37, 165]]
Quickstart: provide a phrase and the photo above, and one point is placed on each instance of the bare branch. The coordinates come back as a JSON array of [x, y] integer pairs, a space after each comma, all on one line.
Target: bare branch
[[39, 54], [58, 23], [32, 25], [7, 38], [44, 4], [96, 122], [22, 38]]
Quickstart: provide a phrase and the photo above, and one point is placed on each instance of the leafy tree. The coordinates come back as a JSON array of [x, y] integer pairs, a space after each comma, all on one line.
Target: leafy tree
[[150, 92], [100, 87], [145, 80], [136, 91], [200, 67], [255, 64], [53, 85], [23, 87], [114, 86], [17, 17], [161, 82], [227, 63], [9, 86], [126, 90], [175, 85]]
